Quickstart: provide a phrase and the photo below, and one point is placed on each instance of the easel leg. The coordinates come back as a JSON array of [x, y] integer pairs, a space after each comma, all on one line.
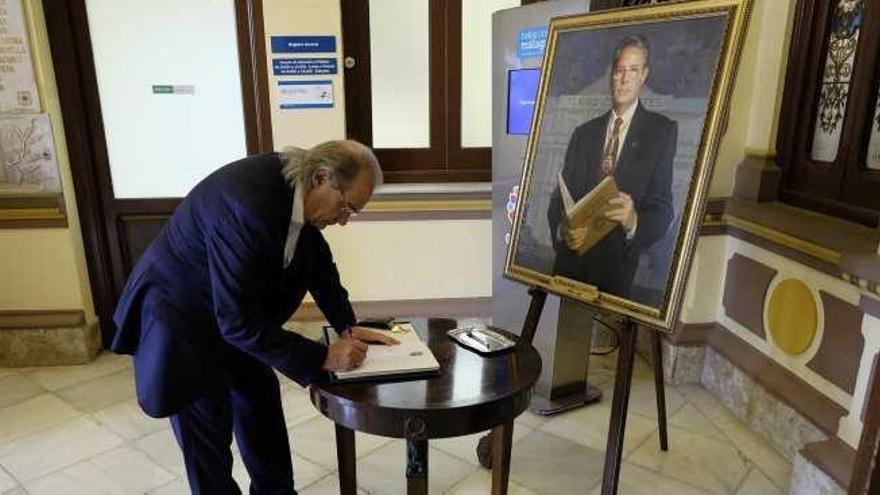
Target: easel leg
[[345, 457], [502, 440], [619, 407], [660, 390]]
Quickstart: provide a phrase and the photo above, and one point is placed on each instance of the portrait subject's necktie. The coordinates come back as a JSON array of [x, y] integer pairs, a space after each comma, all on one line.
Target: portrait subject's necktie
[[609, 156]]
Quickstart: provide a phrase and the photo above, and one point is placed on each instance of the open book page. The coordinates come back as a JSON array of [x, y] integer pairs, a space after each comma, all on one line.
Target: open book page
[[410, 356], [567, 202], [589, 211]]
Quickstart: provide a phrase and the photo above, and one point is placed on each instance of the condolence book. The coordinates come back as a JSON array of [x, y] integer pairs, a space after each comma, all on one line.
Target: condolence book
[[410, 359], [590, 210]]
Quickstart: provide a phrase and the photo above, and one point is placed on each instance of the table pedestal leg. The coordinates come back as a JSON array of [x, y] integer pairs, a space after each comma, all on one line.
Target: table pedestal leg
[[502, 439], [345, 458], [416, 467]]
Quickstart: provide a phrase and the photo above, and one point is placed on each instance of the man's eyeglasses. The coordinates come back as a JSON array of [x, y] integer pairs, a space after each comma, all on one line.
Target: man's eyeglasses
[[347, 209]]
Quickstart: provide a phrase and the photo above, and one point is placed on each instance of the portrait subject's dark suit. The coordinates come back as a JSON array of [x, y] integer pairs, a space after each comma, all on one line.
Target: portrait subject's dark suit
[[644, 171], [202, 313]]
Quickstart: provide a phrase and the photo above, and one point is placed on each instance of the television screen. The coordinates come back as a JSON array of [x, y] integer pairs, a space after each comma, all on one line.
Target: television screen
[[522, 90]]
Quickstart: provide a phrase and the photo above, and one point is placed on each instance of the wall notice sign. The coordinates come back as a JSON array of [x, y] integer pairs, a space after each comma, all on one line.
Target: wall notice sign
[[303, 44], [530, 42], [18, 89], [305, 94], [304, 66], [174, 89]]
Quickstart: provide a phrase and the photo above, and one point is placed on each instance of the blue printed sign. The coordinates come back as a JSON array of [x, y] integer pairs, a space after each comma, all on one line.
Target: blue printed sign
[[304, 66], [303, 44], [530, 42], [305, 94]]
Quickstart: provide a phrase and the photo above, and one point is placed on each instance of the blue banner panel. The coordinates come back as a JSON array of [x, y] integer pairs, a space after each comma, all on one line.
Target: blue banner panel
[[303, 44], [304, 66], [530, 42]]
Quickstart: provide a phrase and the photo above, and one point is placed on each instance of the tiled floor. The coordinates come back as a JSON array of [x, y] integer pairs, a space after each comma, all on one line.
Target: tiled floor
[[78, 430]]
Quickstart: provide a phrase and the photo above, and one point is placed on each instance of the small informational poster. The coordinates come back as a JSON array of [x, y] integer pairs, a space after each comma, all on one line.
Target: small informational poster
[[18, 88], [304, 66], [303, 44], [174, 89], [530, 42], [27, 153], [305, 94]]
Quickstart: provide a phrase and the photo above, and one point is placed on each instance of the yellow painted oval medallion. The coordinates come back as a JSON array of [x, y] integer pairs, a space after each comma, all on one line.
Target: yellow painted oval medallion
[[792, 316]]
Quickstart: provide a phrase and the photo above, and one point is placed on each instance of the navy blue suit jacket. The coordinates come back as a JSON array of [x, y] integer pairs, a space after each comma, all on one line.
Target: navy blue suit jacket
[[213, 282], [644, 171]]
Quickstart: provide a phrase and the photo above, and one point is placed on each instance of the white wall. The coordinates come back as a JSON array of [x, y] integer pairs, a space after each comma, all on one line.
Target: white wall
[[423, 259]]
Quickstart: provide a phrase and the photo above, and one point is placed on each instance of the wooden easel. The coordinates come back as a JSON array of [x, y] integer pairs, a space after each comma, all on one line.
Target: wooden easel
[[627, 330]]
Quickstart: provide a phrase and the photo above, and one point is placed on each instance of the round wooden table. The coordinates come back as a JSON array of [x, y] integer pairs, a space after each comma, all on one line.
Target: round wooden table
[[471, 393]]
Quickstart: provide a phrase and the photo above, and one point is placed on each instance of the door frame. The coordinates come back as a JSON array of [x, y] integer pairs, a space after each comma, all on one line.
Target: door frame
[[115, 230]]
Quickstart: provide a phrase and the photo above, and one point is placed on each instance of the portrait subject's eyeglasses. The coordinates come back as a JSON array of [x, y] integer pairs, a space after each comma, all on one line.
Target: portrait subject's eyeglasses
[[632, 72]]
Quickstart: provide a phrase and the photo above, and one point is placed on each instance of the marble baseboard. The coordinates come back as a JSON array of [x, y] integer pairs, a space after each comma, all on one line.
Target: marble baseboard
[[682, 365], [49, 346], [785, 428], [766, 415], [808, 479]]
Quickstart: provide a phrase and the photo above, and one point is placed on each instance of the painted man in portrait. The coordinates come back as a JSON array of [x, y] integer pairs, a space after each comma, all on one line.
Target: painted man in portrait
[[634, 145]]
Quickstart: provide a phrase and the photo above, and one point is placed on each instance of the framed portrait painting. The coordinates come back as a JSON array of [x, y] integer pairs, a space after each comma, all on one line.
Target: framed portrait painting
[[631, 107]]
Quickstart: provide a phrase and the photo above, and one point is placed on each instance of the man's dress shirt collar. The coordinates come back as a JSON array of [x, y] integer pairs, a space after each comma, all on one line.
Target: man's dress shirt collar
[[297, 220]]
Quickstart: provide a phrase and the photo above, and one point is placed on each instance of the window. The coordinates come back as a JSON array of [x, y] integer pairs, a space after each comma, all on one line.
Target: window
[[829, 134], [417, 85]]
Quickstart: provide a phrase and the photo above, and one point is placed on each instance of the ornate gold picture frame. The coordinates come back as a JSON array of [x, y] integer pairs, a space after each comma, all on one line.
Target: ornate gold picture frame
[[641, 96]]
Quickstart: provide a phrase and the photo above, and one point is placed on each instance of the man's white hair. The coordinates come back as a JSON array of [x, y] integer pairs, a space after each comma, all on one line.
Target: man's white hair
[[343, 160]]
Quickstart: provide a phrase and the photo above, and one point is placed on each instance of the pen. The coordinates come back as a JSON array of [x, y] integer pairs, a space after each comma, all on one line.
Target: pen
[[479, 336], [473, 342]]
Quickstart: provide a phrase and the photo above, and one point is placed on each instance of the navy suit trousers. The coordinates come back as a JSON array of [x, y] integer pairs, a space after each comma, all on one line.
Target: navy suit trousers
[[247, 401]]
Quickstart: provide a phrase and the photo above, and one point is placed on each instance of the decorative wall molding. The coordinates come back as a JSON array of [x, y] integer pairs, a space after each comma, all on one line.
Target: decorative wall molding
[[842, 338], [870, 306], [745, 292], [824, 243], [428, 206], [834, 458], [27, 318], [32, 211], [862, 270], [691, 334], [451, 307], [757, 177]]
